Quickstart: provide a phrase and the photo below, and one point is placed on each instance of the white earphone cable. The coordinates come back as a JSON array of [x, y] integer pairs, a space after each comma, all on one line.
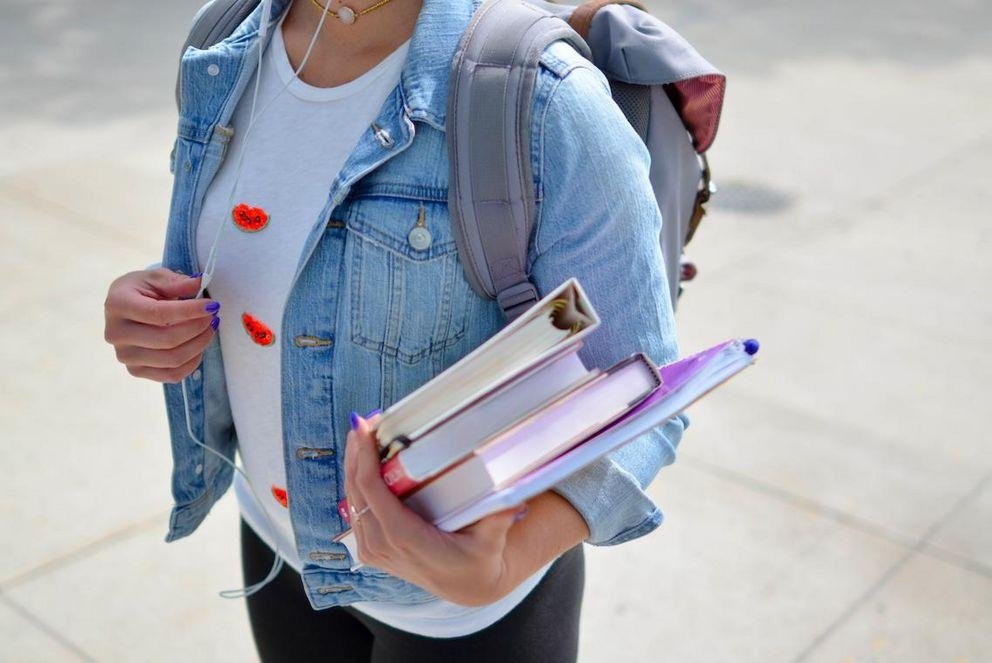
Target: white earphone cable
[[208, 267], [208, 270]]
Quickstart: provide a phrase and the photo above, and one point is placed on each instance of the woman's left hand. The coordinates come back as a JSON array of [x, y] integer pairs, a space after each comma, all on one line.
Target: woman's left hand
[[468, 567]]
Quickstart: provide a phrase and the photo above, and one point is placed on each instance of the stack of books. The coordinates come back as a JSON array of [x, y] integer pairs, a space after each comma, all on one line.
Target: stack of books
[[522, 412]]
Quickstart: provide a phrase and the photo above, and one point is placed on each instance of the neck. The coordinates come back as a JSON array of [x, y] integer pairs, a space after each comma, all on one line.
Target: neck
[[372, 35]]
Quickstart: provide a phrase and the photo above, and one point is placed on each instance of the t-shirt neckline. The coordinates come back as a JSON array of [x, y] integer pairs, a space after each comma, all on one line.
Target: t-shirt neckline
[[303, 90]]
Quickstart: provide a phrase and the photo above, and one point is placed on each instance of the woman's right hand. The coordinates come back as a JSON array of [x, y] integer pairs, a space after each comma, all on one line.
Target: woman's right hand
[[157, 333]]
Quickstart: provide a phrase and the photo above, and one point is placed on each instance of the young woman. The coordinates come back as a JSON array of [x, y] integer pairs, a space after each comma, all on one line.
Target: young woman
[[325, 304]]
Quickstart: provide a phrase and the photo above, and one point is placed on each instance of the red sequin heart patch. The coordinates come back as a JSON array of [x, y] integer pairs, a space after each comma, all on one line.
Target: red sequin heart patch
[[281, 496], [248, 218], [258, 330]]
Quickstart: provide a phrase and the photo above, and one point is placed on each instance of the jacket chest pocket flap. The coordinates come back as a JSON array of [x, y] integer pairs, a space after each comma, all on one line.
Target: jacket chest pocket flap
[[409, 296]]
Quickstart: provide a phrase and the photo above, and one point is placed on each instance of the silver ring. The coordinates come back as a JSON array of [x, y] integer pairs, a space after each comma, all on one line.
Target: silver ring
[[355, 515]]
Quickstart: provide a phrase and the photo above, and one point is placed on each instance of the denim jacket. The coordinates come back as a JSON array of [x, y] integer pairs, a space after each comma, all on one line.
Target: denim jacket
[[369, 317]]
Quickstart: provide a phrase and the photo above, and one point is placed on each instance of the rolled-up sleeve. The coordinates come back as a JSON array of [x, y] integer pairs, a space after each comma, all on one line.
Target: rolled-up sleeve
[[598, 221]]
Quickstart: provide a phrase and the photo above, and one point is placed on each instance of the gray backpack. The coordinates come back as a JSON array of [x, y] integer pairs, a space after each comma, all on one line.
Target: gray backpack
[[668, 92]]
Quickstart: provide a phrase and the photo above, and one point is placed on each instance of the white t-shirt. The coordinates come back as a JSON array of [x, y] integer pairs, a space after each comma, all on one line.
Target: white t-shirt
[[294, 152]]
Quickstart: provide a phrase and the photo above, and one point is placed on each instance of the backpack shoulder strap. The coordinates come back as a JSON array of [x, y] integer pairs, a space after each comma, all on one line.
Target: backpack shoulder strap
[[213, 22], [491, 195]]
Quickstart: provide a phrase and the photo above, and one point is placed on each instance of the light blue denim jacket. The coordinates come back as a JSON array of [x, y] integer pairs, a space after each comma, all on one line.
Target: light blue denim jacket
[[369, 317]]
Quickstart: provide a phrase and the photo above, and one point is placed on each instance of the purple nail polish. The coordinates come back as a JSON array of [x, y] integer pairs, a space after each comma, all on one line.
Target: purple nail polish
[[354, 420], [215, 323], [196, 276], [212, 307], [374, 412]]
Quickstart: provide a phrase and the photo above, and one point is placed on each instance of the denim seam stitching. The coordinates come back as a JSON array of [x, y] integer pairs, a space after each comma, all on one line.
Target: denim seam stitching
[[649, 523], [539, 222], [389, 349]]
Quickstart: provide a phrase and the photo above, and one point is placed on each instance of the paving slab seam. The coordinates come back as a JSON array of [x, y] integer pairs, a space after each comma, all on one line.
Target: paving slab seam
[[42, 626], [842, 517], [82, 552], [769, 490], [849, 433], [957, 559], [894, 569]]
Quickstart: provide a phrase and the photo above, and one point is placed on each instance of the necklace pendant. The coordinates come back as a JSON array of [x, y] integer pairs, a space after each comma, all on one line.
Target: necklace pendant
[[346, 15]]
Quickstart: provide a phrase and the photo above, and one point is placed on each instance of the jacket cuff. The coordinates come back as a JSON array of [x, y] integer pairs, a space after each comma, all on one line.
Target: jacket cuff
[[609, 493]]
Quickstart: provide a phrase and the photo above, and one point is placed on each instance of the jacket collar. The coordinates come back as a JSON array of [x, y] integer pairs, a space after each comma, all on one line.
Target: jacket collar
[[425, 74]]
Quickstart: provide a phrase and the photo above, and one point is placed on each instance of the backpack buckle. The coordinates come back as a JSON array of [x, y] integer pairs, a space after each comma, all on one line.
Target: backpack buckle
[[707, 188], [516, 299]]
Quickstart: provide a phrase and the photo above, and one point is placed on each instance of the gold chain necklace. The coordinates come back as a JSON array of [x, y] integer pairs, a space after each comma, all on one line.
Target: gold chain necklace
[[346, 14]]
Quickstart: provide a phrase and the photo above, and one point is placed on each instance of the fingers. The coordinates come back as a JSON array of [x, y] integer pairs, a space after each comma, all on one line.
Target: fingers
[[156, 336], [351, 456], [171, 375], [350, 460], [355, 501], [374, 548], [364, 484], [133, 305], [368, 533], [397, 519], [167, 358], [130, 333], [387, 531], [172, 285], [148, 297]]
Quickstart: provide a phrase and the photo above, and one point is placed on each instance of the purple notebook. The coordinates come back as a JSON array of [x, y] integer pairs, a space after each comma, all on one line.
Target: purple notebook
[[683, 382]]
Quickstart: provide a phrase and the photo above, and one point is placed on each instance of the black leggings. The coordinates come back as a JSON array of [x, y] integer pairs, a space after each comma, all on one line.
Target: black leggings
[[544, 627]]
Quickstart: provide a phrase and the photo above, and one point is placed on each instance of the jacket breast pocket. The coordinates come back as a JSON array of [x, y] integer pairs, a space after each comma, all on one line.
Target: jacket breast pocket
[[409, 296]]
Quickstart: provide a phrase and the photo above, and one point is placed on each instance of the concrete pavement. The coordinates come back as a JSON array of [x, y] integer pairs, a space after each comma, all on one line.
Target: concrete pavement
[[833, 504]]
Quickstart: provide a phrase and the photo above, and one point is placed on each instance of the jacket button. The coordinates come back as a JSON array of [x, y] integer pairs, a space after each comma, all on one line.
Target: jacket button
[[213, 69], [382, 135], [307, 341], [419, 238], [318, 555], [306, 453]]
